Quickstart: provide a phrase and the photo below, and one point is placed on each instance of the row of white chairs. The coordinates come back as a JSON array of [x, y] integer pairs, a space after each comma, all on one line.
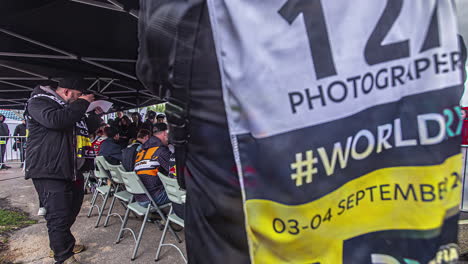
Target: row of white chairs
[[113, 180]]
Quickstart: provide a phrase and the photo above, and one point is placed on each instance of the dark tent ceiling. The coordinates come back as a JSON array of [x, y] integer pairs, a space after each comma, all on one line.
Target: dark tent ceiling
[[43, 40]]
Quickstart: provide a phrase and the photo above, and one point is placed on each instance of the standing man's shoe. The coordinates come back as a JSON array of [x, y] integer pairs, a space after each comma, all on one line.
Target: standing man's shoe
[[76, 249], [71, 260]]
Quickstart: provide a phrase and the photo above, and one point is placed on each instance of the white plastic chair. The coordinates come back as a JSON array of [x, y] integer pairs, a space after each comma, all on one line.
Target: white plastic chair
[[101, 190], [176, 195], [134, 186], [120, 193]]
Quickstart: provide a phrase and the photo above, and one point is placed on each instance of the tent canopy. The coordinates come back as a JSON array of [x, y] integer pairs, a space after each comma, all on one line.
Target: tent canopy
[[43, 40]]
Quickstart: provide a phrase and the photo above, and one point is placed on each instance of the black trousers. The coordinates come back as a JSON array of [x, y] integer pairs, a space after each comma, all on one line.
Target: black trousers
[[62, 200], [2, 153]]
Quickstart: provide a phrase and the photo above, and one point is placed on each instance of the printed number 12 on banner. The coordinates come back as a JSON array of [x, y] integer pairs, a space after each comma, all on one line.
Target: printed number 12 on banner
[[374, 52]]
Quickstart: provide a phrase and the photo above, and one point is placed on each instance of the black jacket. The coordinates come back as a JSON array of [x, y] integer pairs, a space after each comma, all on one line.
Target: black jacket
[[20, 130], [148, 125], [4, 131], [111, 151], [129, 156], [51, 139]]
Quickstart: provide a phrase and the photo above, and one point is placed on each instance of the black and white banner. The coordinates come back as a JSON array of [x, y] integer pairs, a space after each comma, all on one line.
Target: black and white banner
[[345, 126]]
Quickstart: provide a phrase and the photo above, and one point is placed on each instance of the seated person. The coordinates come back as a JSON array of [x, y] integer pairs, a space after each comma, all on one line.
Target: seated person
[[129, 153], [99, 138], [154, 157], [110, 149], [179, 209]]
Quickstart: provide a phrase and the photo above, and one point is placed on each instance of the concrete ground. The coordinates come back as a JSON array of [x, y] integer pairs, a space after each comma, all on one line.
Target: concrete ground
[[31, 244]]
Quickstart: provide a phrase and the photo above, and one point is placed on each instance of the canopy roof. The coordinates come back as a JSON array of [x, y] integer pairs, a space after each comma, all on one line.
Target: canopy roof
[[43, 40]]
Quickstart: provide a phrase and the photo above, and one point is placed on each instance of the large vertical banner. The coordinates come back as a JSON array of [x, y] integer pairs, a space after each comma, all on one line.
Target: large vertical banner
[[345, 125]]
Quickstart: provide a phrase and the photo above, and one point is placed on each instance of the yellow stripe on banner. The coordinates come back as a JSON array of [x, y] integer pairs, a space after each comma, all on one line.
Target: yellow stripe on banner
[[411, 198]]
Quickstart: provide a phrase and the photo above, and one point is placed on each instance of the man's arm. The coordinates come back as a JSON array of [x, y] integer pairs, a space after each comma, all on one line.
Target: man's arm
[[163, 157], [46, 114]]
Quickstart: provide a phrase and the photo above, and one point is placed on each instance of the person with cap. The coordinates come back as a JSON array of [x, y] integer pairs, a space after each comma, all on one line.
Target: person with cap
[[160, 118], [149, 122], [58, 149], [4, 133], [154, 157], [20, 143]]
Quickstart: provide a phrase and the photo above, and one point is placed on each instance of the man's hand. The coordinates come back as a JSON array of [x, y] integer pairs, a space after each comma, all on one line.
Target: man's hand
[[87, 97], [99, 111]]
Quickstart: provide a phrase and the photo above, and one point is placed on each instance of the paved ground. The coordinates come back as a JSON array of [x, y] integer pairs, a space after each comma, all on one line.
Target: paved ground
[[30, 245]]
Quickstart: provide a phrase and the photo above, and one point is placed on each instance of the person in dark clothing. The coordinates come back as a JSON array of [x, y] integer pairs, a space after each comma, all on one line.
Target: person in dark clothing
[[148, 124], [129, 154], [110, 122], [155, 157], [110, 149], [20, 143], [57, 149], [4, 133], [124, 131], [116, 122], [135, 126], [160, 118]]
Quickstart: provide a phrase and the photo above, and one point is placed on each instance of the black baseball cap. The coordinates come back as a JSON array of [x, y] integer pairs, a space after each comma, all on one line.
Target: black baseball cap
[[159, 127], [160, 116], [73, 83], [151, 115]]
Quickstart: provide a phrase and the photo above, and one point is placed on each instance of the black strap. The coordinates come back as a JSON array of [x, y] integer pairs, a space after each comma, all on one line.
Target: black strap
[[177, 108]]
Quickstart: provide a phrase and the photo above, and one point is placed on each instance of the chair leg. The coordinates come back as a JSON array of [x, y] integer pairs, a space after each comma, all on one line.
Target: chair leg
[[110, 211], [140, 235], [106, 197], [162, 237], [122, 227], [95, 195], [175, 234], [93, 202], [86, 183]]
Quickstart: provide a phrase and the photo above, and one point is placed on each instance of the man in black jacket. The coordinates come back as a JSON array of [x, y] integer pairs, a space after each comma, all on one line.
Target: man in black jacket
[[4, 133], [110, 149], [56, 157], [20, 143]]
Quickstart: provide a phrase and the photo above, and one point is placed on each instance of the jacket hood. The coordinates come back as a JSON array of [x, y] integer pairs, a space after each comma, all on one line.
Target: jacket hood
[[152, 142], [45, 90]]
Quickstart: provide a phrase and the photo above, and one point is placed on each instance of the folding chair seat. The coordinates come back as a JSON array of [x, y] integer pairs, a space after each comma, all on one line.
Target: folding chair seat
[[120, 192], [102, 190], [176, 195], [134, 186]]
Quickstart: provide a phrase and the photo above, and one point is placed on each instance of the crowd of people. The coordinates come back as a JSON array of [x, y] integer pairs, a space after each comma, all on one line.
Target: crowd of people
[[142, 147]]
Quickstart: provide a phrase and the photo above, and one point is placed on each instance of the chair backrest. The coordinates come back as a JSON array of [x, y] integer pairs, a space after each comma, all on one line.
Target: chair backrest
[[115, 173], [132, 182], [173, 191], [100, 171]]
